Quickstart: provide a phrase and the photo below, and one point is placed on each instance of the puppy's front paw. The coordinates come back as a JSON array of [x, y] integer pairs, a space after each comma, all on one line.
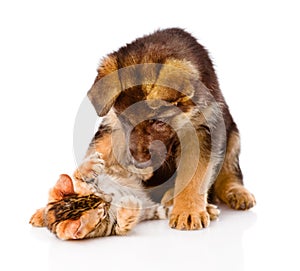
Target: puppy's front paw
[[189, 220]]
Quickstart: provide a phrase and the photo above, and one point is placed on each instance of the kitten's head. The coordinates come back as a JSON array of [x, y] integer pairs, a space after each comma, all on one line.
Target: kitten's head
[[70, 215]]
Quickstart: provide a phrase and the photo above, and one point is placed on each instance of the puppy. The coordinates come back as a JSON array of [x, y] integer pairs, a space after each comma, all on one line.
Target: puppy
[[164, 119]]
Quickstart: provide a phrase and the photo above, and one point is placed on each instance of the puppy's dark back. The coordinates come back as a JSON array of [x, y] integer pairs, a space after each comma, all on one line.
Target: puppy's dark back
[[175, 43], [172, 43]]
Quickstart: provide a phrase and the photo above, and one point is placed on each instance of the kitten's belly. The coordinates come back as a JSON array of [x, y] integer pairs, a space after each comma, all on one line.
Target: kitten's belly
[[110, 185]]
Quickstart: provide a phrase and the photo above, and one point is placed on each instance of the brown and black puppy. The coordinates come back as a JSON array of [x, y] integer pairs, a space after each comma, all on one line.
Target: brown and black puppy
[[165, 118]]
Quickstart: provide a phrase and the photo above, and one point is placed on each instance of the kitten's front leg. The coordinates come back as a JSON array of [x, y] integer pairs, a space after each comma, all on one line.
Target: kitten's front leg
[[128, 214], [91, 167], [86, 174]]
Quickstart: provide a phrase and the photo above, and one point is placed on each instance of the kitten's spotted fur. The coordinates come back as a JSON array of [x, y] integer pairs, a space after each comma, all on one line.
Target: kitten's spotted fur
[[114, 207]]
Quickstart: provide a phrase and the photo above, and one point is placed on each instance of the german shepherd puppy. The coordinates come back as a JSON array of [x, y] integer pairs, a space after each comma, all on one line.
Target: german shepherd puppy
[[165, 118]]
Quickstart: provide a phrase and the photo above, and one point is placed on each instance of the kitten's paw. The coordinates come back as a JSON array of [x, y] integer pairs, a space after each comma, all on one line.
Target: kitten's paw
[[37, 219], [97, 162], [128, 214], [239, 198], [86, 175], [91, 167]]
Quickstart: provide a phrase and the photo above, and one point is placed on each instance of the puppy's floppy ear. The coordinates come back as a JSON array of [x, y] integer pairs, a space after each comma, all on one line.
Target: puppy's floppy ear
[[104, 92], [107, 86]]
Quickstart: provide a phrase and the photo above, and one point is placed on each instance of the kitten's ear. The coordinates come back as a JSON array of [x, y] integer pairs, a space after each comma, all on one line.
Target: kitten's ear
[[63, 187]]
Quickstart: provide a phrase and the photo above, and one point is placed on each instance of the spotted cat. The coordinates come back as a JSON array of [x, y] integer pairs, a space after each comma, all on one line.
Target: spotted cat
[[73, 216], [108, 206]]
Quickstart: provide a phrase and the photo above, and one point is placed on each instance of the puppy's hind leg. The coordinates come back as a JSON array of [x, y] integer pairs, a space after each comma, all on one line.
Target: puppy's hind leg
[[229, 184]]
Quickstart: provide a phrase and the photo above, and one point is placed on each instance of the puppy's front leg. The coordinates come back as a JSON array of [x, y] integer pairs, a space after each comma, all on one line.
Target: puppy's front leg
[[190, 197], [189, 212]]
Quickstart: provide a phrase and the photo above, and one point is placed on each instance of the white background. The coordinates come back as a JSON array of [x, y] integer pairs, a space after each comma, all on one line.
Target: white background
[[49, 52]]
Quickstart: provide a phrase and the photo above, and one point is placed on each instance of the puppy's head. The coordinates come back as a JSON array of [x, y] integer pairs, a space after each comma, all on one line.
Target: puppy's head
[[146, 97]]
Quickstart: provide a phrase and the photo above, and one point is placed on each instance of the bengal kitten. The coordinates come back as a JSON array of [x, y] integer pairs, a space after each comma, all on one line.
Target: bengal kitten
[[116, 211], [109, 206]]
